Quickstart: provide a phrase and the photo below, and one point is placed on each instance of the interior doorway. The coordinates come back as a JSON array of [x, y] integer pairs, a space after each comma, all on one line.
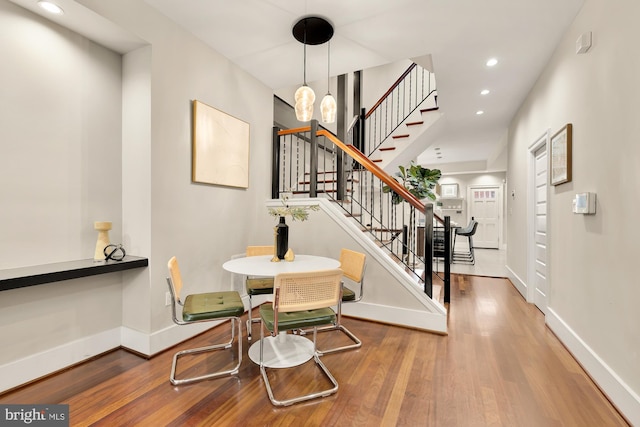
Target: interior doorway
[[485, 206], [538, 268]]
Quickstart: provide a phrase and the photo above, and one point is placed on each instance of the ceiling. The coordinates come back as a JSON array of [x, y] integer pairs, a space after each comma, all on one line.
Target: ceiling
[[460, 35]]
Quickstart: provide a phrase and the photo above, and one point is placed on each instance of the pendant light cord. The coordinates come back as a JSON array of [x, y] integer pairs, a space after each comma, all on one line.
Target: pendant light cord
[[304, 43], [328, 65]]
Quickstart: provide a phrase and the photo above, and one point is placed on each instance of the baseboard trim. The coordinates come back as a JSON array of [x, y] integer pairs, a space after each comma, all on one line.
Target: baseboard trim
[[519, 284], [36, 366], [619, 393], [416, 319], [41, 364]]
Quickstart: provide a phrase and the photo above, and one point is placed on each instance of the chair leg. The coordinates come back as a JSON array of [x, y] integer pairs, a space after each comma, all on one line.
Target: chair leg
[[250, 320], [337, 327], [291, 401], [465, 257], [236, 323]]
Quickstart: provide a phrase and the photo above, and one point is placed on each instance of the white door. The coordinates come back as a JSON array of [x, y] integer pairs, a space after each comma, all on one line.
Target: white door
[[485, 208], [540, 229]]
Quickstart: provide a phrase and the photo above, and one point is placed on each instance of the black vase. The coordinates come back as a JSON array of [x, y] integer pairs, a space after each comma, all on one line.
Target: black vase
[[282, 238]]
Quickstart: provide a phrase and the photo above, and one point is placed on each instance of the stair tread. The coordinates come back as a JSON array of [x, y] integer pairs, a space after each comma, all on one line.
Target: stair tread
[[426, 110], [387, 148], [406, 135], [320, 181], [318, 191], [415, 123], [388, 230]]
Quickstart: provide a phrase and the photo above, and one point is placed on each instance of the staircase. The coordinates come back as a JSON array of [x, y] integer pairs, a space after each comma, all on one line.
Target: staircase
[[403, 122], [317, 164], [312, 162], [413, 137]]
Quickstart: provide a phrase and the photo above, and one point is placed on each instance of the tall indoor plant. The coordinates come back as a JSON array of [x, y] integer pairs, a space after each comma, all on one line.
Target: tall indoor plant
[[418, 180]]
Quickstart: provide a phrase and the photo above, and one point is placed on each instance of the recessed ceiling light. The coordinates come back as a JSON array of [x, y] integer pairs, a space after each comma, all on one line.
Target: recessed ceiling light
[[491, 62], [485, 92], [479, 112], [50, 7]]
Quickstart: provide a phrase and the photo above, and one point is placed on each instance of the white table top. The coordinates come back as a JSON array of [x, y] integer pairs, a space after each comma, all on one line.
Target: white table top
[[262, 266]]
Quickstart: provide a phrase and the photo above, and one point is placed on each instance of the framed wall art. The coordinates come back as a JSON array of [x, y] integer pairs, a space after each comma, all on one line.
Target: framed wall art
[[220, 151], [449, 190], [561, 156]]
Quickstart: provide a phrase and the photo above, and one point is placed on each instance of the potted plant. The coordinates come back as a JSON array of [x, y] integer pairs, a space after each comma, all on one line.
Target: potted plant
[[419, 181], [281, 230]]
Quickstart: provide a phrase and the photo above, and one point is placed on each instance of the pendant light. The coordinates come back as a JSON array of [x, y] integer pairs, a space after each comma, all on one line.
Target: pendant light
[[328, 105], [310, 30]]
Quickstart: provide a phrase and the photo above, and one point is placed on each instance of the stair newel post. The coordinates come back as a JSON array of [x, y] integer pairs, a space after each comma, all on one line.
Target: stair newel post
[[341, 134], [447, 259], [275, 163], [313, 161], [340, 175], [405, 240], [428, 249], [361, 128]]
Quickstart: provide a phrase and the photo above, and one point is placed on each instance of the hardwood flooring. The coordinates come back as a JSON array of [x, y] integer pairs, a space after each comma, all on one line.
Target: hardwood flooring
[[499, 366]]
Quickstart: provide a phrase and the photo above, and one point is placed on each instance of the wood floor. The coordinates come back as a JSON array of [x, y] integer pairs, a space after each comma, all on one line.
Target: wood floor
[[499, 366]]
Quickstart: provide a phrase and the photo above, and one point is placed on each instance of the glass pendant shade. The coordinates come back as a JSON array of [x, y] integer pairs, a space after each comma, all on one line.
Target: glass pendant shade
[[304, 98], [328, 108]]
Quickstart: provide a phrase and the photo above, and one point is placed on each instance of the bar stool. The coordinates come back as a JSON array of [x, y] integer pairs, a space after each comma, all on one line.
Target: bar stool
[[468, 231]]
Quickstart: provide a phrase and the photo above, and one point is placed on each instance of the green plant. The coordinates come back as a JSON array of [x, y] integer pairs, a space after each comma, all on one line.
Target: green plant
[[417, 180], [297, 213]]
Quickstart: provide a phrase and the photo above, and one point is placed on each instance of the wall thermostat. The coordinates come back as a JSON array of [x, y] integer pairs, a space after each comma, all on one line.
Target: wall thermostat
[[584, 203]]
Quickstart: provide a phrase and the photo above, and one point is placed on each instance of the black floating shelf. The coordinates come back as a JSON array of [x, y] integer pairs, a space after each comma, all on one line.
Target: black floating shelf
[[49, 273]]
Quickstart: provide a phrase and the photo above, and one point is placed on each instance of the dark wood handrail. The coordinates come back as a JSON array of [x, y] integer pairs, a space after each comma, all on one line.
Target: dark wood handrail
[[368, 164], [387, 93]]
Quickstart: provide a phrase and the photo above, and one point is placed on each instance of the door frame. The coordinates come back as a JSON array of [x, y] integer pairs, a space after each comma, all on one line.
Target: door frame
[[501, 208], [543, 140]]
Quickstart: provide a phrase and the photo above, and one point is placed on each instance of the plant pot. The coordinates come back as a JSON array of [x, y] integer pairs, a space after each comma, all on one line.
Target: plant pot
[[282, 238]]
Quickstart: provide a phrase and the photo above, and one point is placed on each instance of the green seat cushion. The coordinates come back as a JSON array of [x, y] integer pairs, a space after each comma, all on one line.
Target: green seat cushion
[[259, 285], [298, 319], [212, 305], [348, 294]]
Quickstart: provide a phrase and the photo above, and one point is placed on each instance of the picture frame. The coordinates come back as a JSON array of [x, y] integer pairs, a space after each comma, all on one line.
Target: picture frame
[[561, 153], [220, 148], [449, 190]]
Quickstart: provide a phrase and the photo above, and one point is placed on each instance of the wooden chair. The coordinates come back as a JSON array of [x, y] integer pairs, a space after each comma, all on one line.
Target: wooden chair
[[353, 265], [301, 300], [204, 307], [257, 285]]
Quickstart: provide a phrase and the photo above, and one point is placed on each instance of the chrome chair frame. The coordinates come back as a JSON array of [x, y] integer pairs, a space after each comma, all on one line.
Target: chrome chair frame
[[358, 278], [254, 251], [286, 301], [236, 324]]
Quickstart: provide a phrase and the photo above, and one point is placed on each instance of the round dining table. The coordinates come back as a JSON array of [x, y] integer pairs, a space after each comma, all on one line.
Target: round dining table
[[284, 350]]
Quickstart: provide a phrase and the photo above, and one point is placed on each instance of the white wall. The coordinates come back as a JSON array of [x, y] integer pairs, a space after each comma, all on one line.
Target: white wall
[[593, 286], [61, 171], [377, 80], [58, 177], [62, 137], [203, 225]]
